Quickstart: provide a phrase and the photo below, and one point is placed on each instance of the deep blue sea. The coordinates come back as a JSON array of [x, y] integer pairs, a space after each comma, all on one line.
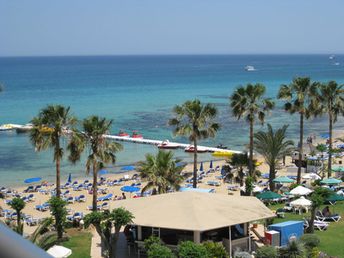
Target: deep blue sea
[[138, 93]]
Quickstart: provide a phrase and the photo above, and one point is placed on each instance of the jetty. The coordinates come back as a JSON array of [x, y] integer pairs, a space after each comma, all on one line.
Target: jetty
[[27, 127]]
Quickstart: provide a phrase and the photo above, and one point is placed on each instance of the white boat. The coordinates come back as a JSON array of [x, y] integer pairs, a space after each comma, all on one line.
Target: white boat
[[24, 129], [168, 145], [249, 68], [336, 63], [331, 57], [191, 148], [9, 127]]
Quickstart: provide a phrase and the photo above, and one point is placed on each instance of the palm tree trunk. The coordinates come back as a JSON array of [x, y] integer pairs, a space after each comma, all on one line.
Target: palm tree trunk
[[194, 181], [271, 178], [58, 172], [329, 171], [311, 221], [250, 163], [18, 220], [300, 150], [94, 187]]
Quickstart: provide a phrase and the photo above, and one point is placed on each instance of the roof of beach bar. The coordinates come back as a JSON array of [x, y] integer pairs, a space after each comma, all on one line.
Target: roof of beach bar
[[194, 211]]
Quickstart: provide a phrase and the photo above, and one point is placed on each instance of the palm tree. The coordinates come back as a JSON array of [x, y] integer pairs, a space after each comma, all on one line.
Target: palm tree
[[49, 127], [239, 161], [318, 197], [331, 99], [100, 150], [272, 145], [300, 97], [18, 205], [196, 121], [161, 172], [44, 236], [247, 101], [294, 249]]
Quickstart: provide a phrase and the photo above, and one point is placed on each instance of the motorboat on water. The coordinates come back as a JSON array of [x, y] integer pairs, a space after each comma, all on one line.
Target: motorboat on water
[[168, 145], [249, 68], [123, 134], [221, 146], [191, 148], [24, 129], [136, 135], [331, 57]]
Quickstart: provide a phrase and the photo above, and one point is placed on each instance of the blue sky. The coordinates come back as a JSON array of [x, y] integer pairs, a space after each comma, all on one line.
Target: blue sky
[[88, 27]]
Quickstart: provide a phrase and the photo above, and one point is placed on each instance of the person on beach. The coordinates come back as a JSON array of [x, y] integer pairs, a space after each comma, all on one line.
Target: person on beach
[[326, 211], [123, 196]]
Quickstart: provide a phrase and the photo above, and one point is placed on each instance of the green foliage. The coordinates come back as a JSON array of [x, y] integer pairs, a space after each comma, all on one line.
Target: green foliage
[[293, 185], [310, 241], [249, 185], [314, 253], [121, 217], [150, 241], [161, 172], [294, 250], [189, 249], [267, 252], [59, 211], [242, 254], [215, 250], [18, 204], [159, 251], [93, 218]]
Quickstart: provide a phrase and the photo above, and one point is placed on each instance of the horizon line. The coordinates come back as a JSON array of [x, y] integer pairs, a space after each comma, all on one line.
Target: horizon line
[[181, 54]]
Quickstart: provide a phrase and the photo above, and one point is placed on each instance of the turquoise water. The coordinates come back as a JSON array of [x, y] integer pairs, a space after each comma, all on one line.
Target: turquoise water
[[138, 92]]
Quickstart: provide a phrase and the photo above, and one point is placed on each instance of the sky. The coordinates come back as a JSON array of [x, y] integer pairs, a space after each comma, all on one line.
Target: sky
[[131, 27]]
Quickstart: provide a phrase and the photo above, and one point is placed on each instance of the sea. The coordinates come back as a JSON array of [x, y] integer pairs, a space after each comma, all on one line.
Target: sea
[[139, 93]]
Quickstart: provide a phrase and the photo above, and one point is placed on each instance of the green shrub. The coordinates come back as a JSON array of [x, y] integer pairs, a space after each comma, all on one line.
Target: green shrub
[[159, 251], [151, 241], [189, 249], [242, 254], [267, 252], [310, 241], [314, 253], [215, 250]]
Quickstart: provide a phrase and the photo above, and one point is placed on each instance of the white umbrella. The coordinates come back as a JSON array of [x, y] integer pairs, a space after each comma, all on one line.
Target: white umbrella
[[312, 176], [300, 190], [58, 251], [257, 189], [301, 202]]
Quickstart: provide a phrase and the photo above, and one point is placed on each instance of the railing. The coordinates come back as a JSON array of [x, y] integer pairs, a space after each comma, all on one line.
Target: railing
[[12, 245]]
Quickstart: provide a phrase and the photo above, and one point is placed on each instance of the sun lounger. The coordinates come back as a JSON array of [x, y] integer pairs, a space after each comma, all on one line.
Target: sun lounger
[[70, 199], [107, 197], [335, 217], [30, 221], [77, 216], [319, 225], [213, 183], [80, 198], [29, 189], [42, 207]]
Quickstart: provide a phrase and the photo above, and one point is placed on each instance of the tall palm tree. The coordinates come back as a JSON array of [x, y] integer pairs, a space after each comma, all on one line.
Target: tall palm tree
[[49, 127], [196, 121], [300, 97], [331, 99], [100, 150], [161, 172], [272, 145], [247, 101]]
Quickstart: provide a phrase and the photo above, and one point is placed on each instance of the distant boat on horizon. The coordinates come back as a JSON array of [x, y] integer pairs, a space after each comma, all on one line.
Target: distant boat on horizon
[[331, 57], [250, 68]]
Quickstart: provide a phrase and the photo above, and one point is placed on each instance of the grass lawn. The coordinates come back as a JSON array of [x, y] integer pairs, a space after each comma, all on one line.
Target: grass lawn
[[331, 240], [79, 242]]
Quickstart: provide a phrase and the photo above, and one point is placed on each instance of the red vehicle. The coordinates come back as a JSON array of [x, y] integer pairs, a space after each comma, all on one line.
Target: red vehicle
[[136, 135], [123, 134]]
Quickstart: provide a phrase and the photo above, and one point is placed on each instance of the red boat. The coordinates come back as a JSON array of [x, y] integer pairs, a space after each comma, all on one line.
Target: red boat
[[167, 145], [191, 148], [136, 135], [123, 134]]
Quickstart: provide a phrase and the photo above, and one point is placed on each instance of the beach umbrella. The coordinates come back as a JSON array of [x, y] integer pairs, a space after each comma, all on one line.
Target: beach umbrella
[[301, 202], [102, 172], [32, 180], [69, 178], [312, 176], [330, 181], [268, 195], [58, 251], [300, 190], [130, 189], [338, 169], [201, 167], [128, 168], [257, 189], [211, 164], [283, 180], [335, 198]]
